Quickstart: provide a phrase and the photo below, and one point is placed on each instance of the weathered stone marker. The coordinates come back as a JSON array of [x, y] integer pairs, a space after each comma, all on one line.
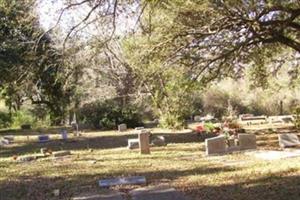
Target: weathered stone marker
[[247, 141], [216, 145], [122, 127], [197, 118], [159, 141], [288, 140], [144, 142], [10, 138], [133, 144]]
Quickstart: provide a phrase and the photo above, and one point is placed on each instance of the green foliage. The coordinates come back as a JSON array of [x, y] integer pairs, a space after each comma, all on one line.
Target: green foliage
[[297, 117], [108, 114], [5, 120], [22, 117], [209, 127]]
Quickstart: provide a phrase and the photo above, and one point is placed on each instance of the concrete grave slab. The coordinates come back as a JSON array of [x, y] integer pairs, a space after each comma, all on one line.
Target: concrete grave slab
[[274, 155], [133, 180], [247, 141], [104, 195], [133, 144], [156, 193], [61, 153], [27, 158], [288, 140], [215, 145]]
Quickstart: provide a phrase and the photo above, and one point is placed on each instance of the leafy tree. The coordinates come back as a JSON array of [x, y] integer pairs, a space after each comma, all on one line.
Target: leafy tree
[[30, 70]]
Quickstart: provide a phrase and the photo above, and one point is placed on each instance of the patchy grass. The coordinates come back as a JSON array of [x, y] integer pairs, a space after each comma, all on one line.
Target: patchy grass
[[182, 163]]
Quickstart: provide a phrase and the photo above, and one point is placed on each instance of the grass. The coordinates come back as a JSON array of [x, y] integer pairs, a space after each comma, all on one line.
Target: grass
[[182, 164]]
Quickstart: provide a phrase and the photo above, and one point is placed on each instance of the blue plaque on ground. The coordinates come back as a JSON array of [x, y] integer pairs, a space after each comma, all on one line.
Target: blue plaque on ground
[[43, 138], [134, 180]]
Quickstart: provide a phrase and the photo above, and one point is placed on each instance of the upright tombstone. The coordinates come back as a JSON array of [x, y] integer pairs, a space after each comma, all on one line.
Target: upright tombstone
[[288, 140], [122, 127], [247, 141], [144, 142], [197, 118], [215, 145], [64, 134], [133, 144]]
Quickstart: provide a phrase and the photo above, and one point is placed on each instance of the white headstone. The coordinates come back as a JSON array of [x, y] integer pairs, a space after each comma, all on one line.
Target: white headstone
[[133, 143]]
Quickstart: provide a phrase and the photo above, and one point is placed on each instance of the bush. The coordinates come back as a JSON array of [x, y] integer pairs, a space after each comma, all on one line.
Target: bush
[[297, 117], [209, 127], [173, 121], [108, 114], [22, 117], [5, 120]]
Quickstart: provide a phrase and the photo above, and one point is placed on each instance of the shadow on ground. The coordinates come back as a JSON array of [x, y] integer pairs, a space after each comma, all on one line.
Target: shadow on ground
[[37, 188], [273, 187], [99, 142]]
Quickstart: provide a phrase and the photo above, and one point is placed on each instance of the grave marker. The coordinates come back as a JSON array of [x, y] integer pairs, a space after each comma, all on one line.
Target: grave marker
[[288, 140], [134, 180], [159, 141], [133, 143], [122, 127], [247, 141], [144, 142], [216, 145]]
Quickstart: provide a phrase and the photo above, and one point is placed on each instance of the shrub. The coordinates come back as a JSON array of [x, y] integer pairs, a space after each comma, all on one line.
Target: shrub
[[108, 114], [209, 127], [5, 120], [297, 117], [22, 117], [173, 121]]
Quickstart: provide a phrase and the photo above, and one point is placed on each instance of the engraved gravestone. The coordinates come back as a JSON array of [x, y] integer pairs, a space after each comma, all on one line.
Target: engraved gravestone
[[247, 141], [215, 145]]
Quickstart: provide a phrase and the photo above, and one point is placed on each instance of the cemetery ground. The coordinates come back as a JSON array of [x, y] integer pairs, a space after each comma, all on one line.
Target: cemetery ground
[[181, 164]]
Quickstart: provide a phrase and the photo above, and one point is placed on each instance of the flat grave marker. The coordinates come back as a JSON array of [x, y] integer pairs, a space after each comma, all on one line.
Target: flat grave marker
[[133, 180], [156, 193]]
